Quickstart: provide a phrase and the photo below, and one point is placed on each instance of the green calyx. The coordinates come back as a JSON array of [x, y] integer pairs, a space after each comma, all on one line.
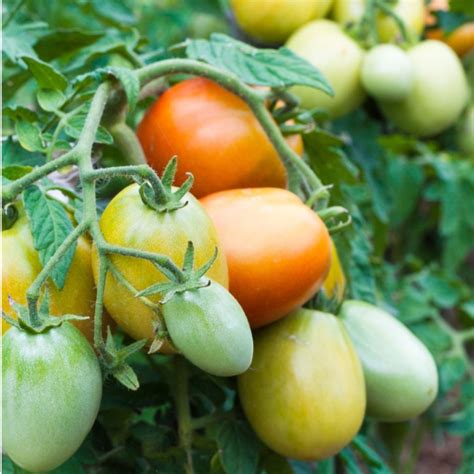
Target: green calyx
[[186, 280], [9, 216], [159, 194], [41, 321]]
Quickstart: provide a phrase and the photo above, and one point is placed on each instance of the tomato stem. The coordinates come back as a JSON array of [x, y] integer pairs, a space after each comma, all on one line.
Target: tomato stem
[[127, 142]]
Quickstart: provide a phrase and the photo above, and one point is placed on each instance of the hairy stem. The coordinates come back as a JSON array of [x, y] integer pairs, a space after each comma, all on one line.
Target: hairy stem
[[127, 142]]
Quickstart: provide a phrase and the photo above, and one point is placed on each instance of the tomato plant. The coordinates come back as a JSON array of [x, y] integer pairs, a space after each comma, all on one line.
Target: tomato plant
[[270, 277], [184, 122]]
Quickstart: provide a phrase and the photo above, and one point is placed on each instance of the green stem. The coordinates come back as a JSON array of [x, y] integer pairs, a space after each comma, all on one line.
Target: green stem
[[388, 10], [298, 170], [128, 144], [467, 334], [99, 302], [409, 467], [181, 397]]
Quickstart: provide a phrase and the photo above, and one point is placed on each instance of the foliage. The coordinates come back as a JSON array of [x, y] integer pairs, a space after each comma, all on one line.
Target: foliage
[[409, 248]]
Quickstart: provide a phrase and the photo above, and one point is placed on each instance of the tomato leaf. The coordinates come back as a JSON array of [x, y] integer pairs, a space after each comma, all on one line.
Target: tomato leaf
[[29, 135], [15, 155], [46, 75], [130, 83], [50, 99], [451, 371], [266, 67], [50, 225], [75, 125]]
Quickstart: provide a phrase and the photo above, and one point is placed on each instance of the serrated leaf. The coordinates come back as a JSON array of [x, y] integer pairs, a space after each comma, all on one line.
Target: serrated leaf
[[116, 12], [17, 40], [29, 135], [50, 225], [266, 67], [15, 171], [451, 371], [50, 99], [15, 155], [46, 75], [75, 125], [130, 83]]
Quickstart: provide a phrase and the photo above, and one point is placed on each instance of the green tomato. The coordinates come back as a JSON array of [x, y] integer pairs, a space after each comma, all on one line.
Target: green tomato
[[439, 93], [400, 373], [304, 394], [210, 328], [52, 387], [387, 73], [272, 21], [338, 57]]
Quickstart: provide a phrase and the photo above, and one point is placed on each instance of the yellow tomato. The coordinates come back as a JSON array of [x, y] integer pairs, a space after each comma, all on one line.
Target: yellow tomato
[[21, 265], [272, 21], [304, 393], [335, 284]]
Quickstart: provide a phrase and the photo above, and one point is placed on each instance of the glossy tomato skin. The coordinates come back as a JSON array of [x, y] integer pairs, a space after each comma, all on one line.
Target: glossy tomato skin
[[338, 57], [335, 283], [411, 12], [52, 387], [208, 326], [387, 73], [274, 20], [304, 394], [215, 136], [439, 93], [21, 265], [128, 222], [277, 249], [400, 373]]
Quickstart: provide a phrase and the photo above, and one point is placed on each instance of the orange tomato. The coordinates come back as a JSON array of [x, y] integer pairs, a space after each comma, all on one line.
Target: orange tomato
[[216, 137], [278, 250]]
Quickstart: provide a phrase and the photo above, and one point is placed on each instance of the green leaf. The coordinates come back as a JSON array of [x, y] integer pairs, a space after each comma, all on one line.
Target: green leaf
[[50, 99], [372, 460], [130, 83], [75, 125], [433, 336], [29, 135], [115, 12], [46, 75], [17, 40], [273, 463], [269, 67], [451, 371], [326, 467], [50, 225], [15, 171], [239, 447], [15, 155], [468, 308], [349, 461]]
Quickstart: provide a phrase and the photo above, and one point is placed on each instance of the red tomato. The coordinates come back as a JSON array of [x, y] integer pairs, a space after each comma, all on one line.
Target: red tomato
[[278, 250]]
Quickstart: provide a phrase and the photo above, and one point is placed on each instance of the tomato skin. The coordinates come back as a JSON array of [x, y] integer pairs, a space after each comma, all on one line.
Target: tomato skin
[[304, 394], [128, 222], [439, 94], [277, 249], [274, 20], [411, 12], [338, 57], [52, 387], [400, 373], [208, 327], [387, 73], [335, 283], [215, 136], [21, 265]]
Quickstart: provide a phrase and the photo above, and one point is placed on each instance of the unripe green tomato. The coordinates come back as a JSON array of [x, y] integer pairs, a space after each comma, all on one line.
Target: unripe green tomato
[[400, 373], [210, 329], [387, 73], [52, 387], [411, 12], [304, 393], [465, 132], [338, 57], [439, 93], [272, 21]]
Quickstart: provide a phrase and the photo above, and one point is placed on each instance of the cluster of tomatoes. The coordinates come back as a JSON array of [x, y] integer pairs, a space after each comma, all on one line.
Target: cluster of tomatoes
[[422, 90]]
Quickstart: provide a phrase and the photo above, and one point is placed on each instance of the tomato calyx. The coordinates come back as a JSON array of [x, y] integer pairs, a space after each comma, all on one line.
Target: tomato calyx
[[41, 321], [186, 280], [160, 195], [335, 218]]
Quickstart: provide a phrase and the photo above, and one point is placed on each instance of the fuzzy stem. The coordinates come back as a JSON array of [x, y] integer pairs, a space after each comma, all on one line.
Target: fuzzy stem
[[127, 142]]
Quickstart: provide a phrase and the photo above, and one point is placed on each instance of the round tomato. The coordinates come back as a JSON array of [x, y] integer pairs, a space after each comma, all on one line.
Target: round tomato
[[52, 387], [21, 265], [400, 373], [215, 136], [128, 222], [208, 326], [387, 73], [439, 93], [274, 20], [278, 250], [411, 12], [304, 393], [338, 57], [335, 283]]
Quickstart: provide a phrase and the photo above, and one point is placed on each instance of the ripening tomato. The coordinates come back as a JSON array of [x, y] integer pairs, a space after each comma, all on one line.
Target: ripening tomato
[[338, 57], [128, 222], [274, 20], [21, 265], [461, 39], [411, 12], [439, 94], [387, 73], [215, 136], [278, 250], [335, 283], [400, 373], [52, 387], [304, 393]]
